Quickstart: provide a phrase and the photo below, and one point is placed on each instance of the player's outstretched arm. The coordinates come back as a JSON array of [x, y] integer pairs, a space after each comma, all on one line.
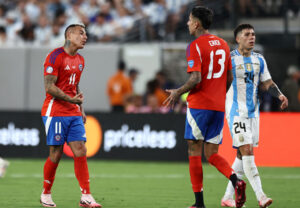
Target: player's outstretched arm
[[195, 78], [272, 88], [52, 89]]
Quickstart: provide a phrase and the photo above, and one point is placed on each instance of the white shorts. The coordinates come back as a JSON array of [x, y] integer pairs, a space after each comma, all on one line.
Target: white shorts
[[243, 130]]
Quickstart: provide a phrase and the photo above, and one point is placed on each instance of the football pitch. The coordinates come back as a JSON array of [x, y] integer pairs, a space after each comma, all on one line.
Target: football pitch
[[123, 184]]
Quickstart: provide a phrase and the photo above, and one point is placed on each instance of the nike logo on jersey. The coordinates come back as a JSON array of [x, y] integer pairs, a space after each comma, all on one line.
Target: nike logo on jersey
[[67, 67]]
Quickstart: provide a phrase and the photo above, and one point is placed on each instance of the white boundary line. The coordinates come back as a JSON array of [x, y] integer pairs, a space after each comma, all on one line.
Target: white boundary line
[[146, 176]]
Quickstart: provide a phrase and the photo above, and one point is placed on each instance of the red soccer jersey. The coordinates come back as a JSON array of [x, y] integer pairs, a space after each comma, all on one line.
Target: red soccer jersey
[[68, 70], [209, 55]]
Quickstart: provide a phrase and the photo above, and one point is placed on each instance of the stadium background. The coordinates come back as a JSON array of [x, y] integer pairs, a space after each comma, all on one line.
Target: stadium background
[[139, 137]]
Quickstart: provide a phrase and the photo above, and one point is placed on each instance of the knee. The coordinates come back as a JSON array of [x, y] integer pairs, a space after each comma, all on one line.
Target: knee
[[194, 150], [55, 156], [245, 150], [79, 150]]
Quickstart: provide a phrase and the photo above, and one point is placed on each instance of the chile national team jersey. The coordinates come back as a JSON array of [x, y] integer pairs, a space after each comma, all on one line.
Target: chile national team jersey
[[68, 70], [209, 55]]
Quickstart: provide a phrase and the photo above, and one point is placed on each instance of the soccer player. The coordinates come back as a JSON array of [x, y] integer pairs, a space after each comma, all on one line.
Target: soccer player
[[242, 109], [63, 114], [209, 67]]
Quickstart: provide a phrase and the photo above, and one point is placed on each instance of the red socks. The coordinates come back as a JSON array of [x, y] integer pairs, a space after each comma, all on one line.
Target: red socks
[[49, 175], [196, 173], [82, 174], [221, 164]]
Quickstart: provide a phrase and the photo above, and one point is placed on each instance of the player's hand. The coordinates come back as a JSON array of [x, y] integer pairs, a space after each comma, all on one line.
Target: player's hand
[[77, 99], [172, 99], [284, 102]]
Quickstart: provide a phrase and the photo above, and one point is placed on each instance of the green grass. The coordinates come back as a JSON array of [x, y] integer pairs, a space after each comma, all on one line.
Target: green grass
[[118, 184]]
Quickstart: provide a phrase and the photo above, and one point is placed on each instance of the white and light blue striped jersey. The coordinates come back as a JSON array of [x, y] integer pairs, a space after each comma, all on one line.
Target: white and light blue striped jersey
[[242, 96]]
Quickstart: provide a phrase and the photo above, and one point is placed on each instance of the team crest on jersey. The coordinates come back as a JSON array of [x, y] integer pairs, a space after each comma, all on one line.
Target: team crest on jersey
[[49, 70], [57, 137], [191, 63], [80, 67], [249, 68]]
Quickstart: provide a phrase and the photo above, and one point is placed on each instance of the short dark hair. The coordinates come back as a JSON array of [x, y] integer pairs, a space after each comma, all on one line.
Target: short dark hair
[[241, 27], [121, 65], [204, 14], [72, 26]]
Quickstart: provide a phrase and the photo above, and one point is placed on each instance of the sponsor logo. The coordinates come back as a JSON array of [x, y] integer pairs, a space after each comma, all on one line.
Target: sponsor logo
[[19, 137], [57, 137], [144, 138], [80, 67], [73, 67], [67, 67], [191, 63], [49, 70]]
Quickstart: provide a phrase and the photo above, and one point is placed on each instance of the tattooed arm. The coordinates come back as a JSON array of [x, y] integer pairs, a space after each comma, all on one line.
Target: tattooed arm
[[195, 78], [52, 89], [272, 88]]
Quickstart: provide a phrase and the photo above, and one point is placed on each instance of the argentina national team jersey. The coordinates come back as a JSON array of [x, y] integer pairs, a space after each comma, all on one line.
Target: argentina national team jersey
[[242, 97]]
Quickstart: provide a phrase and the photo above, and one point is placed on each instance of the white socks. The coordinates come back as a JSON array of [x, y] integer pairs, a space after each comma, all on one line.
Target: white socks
[[252, 174], [245, 166], [237, 166]]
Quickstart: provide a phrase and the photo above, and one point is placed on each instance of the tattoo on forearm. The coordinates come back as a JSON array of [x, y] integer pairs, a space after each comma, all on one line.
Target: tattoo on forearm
[[53, 90], [274, 90], [194, 79]]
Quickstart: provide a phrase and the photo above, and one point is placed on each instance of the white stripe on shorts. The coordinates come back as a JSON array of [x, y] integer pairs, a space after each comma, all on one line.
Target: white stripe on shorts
[[49, 107], [195, 129], [47, 125]]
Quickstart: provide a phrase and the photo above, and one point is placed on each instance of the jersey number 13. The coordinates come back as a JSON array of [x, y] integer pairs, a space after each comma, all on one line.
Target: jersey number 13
[[221, 62]]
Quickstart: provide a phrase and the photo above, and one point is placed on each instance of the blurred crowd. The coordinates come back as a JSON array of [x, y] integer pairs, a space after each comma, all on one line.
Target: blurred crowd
[[42, 22], [123, 98]]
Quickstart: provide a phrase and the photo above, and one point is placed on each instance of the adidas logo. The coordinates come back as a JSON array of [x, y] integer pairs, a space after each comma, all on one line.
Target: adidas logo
[[67, 67], [240, 67]]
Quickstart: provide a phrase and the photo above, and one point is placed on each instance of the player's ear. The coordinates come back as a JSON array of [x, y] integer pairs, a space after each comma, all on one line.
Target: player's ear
[[237, 39], [198, 24]]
